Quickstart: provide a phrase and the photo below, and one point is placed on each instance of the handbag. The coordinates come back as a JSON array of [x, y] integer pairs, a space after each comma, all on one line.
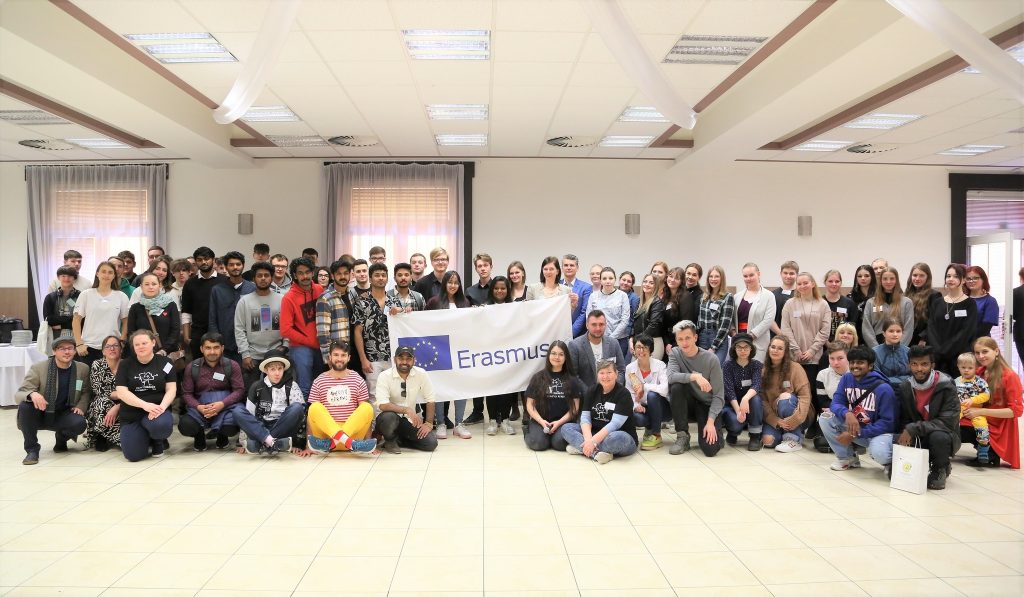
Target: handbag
[[909, 469], [44, 339]]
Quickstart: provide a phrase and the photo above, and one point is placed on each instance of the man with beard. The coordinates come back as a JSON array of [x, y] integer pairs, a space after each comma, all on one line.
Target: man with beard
[[370, 324], [340, 413], [334, 311], [409, 299], [211, 386], [929, 414], [54, 396], [398, 391], [298, 323], [195, 299], [258, 322], [224, 299]]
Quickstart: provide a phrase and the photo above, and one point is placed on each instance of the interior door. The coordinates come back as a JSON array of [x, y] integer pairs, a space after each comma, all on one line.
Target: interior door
[[1000, 255]]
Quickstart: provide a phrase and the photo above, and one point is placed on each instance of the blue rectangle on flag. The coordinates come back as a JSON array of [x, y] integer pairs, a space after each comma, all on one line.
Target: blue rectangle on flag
[[433, 353]]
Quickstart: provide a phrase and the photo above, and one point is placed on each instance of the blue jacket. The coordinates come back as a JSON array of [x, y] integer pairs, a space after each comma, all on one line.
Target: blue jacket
[[223, 299], [579, 314], [871, 399], [893, 362]]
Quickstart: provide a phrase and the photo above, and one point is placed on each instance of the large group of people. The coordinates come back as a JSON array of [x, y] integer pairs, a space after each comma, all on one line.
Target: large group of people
[[294, 356]]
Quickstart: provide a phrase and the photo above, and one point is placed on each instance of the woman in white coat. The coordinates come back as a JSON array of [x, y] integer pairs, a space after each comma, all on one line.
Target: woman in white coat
[[755, 310]]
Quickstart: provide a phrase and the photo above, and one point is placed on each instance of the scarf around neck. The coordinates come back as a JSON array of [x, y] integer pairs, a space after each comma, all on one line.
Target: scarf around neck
[[927, 385], [157, 304]]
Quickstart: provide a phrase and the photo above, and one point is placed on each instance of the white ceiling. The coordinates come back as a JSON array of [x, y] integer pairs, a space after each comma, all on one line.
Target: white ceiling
[[344, 71]]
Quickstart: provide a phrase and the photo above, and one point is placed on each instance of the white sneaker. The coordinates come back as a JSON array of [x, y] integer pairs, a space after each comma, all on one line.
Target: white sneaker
[[507, 428], [492, 427], [462, 432], [789, 446], [571, 449], [603, 458], [441, 432], [842, 464]]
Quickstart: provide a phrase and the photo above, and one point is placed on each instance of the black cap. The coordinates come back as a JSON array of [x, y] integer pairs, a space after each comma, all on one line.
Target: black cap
[[406, 350]]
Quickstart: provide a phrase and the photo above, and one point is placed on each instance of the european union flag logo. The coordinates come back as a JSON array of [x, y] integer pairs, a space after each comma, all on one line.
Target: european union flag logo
[[433, 353]]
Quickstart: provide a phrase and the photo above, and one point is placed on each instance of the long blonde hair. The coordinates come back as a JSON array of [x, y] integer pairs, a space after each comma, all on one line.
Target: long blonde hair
[[645, 300], [720, 292], [815, 291], [897, 292], [994, 374]]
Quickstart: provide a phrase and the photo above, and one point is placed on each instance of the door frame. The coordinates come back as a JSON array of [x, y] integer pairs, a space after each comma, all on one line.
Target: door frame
[[959, 186]]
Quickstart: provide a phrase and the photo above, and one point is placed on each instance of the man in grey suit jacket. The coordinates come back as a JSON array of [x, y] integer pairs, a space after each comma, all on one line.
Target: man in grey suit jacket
[[54, 396], [583, 351]]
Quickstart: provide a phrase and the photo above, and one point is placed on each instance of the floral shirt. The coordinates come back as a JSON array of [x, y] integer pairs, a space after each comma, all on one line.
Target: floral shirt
[[366, 312]]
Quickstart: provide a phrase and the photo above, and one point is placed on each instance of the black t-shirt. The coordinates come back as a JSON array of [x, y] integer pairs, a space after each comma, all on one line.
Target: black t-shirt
[[843, 311], [604, 406], [781, 297], [147, 382], [552, 400], [65, 377]]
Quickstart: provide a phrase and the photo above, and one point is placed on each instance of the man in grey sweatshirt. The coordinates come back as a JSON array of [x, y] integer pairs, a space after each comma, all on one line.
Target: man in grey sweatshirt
[[695, 381], [258, 322]]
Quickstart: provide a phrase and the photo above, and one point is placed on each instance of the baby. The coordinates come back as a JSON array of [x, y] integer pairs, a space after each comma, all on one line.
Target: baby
[[972, 390]]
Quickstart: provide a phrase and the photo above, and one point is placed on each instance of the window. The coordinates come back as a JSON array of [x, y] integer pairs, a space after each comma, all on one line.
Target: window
[[99, 223]]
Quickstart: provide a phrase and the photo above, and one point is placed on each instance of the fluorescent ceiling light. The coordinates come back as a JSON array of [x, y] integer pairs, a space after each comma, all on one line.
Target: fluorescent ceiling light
[[457, 111], [642, 114], [627, 141], [442, 44], [186, 48], [969, 150], [713, 49], [30, 117], [270, 114], [822, 145], [197, 59], [297, 140], [167, 36], [476, 140], [1016, 51], [99, 143], [882, 121]]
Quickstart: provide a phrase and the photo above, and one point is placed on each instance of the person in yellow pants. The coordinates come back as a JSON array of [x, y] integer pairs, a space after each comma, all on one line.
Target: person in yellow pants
[[340, 413]]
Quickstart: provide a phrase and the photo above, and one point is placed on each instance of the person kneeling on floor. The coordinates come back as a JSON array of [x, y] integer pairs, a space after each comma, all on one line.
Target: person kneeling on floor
[[398, 390], [930, 414], [53, 396], [606, 428], [340, 414], [273, 411], [211, 386]]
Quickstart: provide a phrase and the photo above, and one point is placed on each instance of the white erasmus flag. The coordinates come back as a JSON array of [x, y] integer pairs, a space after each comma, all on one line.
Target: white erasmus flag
[[482, 351]]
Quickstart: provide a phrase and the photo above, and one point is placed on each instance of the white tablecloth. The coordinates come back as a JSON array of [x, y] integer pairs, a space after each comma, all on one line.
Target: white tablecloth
[[14, 364]]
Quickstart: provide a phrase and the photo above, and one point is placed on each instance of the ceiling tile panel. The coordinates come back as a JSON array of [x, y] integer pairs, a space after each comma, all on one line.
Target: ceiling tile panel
[[662, 16], [600, 75], [533, 46], [372, 73], [541, 15], [327, 110], [457, 73], [369, 46], [297, 47], [124, 16], [227, 15], [589, 110], [447, 94], [300, 73], [743, 17], [441, 14], [510, 74], [345, 15], [595, 50]]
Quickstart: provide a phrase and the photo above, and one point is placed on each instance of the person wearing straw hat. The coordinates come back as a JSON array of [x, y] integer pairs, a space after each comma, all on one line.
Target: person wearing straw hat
[[274, 410]]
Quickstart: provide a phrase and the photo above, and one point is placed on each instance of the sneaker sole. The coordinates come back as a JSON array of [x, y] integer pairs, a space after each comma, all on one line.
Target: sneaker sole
[[649, 448]]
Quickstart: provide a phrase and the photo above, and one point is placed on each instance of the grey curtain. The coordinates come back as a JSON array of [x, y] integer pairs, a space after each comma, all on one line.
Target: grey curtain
[[98, 210]]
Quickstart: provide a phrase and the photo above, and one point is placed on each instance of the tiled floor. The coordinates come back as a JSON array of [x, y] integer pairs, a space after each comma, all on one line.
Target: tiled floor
[[489, 516]]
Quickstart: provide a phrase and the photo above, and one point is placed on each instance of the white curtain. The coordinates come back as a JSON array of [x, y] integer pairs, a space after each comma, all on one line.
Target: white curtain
[[405, 208], [98, 210]]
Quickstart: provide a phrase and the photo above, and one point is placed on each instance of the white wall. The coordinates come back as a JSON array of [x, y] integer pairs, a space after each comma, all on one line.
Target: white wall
[[528, 208]]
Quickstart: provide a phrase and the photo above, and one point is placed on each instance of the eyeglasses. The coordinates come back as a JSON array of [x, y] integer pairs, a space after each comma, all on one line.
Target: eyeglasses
[[65, 347], [974, 279], [403, 389], [440, 260], [112, 347]]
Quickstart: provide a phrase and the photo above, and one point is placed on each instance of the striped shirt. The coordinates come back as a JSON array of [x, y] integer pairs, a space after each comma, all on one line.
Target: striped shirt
[[339, 396], [332, 320]]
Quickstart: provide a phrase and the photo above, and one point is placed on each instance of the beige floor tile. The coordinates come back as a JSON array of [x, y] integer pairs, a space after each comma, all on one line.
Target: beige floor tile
[[831, 533], [740, 536], [928, 504], [116, 592], [16, 567], [104, 474], [902, 531], [134, 492], [814, 589], [24, 591], [350, 574], [715, 489], [131, 538], [1013, 521], [448, 541], [235, 593], [972, 528], [202, 494], [737, 591], [365, 542], [566, 494], [160, 475], [680, 538], [10, 530], [96, 512], [276, 572], [384, 496], [321, 492], [873, 562], [442, 576], [505, 573], [986, 503], [793, 510], [67, 491], [290, 541], [715, 569], [86, 569], [173, 571], [55, 537], [639, 495], [509, 541], [540, 515], [292, 516], [918, 587], [823, 490], [572, 515], [167, 513], [991, 586], [954, 560], [711, 511], [448, 516], [632, 571], [211, 539], [29, 511], [628, 593], [251, 514], [1009, 553], [776, 566], [864, 507], [382, 517], [642, 514], [602, 540]]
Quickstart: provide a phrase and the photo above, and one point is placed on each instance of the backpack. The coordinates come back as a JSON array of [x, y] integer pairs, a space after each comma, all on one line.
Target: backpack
[[226, 365]]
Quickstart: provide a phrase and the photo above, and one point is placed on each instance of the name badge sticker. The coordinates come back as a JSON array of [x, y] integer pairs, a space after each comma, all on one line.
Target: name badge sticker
[[797, 314], [78, 385], [168, 367], [841, 310], [713, 306], [745, 383], [960, 313], [218, 376], [787, 292], [786, 384], [609, 406]]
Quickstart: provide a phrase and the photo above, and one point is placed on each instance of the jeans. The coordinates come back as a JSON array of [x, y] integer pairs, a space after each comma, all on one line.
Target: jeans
[[683, 398], [441, 411], [538, 441], [785, 408], [30, 419], [880, 446], [755, 418], [653, 416], [189, 425], [136, 437], [617, 443], [396, 428], [307, 363], [708, 336], [286, 425]]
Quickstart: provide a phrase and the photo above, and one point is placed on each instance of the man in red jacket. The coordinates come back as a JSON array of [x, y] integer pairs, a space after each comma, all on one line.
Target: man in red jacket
[[298, 323]]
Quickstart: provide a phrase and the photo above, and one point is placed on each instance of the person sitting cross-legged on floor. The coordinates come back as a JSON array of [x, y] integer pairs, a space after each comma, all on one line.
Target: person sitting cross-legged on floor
[[606, 428], [398, 390], [211, 386], [340, 414], [53, 395], [273, 410]]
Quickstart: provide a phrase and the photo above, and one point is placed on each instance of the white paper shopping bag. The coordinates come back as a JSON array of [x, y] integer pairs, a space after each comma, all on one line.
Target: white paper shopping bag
[[909, 469]]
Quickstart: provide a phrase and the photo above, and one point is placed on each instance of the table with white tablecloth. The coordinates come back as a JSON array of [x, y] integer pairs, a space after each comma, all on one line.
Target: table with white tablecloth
[[14, 364]]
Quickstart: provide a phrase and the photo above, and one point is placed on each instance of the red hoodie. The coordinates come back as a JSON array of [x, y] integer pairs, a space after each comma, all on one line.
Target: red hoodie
[[298, 315]]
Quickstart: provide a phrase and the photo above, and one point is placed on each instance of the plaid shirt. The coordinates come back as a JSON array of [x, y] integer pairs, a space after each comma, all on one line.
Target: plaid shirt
[[414, 300], [716, 317], [332, 319]]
